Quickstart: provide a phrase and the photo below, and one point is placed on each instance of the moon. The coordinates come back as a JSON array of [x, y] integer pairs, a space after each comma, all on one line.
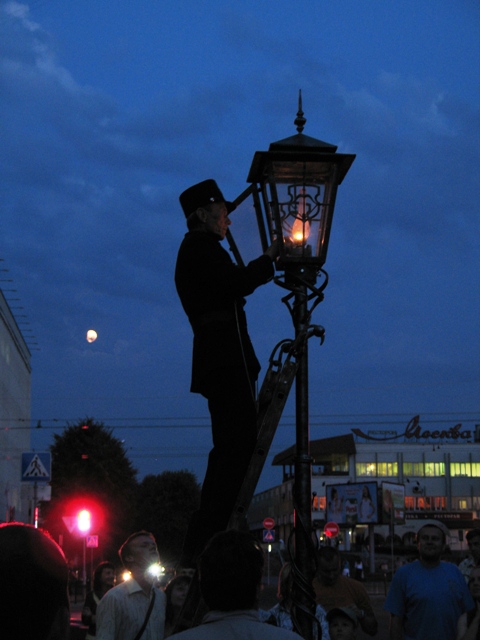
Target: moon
[[91, 335]]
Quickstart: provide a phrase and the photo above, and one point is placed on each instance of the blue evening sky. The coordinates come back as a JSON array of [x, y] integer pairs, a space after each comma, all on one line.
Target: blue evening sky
[[108, 110]]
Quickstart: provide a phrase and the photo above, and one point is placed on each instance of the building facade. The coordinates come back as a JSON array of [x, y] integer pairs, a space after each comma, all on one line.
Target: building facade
[[15, 390], [437, 472]]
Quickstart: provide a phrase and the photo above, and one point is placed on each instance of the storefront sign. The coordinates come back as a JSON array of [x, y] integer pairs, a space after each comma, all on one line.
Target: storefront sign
[[413, 430], [452, 519]]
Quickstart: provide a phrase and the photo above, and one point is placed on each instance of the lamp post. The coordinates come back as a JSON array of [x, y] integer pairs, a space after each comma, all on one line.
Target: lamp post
[[294, 186]]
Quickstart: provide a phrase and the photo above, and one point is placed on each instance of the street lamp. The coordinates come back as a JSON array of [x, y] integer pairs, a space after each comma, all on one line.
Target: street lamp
[[294, 186]]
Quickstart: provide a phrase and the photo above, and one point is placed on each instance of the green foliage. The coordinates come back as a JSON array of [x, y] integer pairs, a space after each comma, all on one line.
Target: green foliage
[[90, 467], [87, 456], [164, 507]]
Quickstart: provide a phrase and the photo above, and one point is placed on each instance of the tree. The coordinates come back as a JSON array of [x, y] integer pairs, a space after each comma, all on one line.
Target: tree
[[90, 470], [164, 507]]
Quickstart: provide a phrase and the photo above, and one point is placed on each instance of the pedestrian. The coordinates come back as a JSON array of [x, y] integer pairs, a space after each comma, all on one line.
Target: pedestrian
[[103, 581], [282, 613], [212, 291], [427, 596], [332, 590], [33, 586], [342, 623], [473, 558], [230, 573], [176, 592], [468, 627], [135, 608], [358, 569]]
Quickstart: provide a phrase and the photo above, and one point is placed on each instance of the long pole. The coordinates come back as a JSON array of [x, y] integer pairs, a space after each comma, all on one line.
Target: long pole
[[304, 562]]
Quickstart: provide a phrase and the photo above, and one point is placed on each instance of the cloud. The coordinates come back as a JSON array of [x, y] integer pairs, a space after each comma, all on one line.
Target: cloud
[[91, 222]]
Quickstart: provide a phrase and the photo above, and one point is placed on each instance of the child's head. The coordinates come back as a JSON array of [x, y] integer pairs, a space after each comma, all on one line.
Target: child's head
[[342, 623]]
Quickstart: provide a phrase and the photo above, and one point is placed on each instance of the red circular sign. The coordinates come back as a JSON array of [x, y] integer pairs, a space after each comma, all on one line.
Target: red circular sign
[[331, 529], [269, 523]]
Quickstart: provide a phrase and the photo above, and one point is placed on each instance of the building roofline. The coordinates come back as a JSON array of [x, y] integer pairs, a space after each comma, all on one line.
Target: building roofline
[[336, 444]]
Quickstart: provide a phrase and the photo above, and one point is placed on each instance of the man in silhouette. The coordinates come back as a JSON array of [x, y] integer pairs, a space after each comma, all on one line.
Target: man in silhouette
[[212, 291]]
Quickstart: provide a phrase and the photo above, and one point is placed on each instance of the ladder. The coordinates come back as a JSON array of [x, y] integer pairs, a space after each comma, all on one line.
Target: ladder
[[273, 395]]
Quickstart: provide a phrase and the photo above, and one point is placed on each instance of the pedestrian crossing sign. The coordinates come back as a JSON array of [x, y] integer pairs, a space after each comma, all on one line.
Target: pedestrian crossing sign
[[91, 541], [269, 535], [36, 467]]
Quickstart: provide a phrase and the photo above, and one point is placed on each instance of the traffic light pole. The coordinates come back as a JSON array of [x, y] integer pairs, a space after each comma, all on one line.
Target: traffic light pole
[[84, 576]]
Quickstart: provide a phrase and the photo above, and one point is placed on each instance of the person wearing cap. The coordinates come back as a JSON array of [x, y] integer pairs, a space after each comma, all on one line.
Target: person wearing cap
[[427, 597], [473, 559], [342, 623], [212, 291], [333, 590]]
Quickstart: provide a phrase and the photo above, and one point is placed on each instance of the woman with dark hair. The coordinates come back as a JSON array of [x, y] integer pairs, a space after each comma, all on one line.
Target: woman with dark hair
[[176, 592], [103, 581]]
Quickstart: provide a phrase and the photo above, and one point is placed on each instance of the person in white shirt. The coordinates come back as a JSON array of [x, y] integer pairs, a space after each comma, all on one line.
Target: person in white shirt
[[136, 608]]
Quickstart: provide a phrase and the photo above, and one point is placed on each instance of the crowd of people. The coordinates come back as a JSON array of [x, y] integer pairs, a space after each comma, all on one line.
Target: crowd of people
[[428, 599]]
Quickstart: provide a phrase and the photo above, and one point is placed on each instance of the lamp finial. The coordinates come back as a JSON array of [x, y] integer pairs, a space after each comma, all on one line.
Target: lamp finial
[[300, 120]]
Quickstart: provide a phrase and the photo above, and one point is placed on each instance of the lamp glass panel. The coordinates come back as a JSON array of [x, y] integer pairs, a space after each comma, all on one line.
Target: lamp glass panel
[[300, 215]]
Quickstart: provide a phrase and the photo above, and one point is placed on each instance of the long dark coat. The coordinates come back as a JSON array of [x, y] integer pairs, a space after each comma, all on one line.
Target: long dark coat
[[212, 289]]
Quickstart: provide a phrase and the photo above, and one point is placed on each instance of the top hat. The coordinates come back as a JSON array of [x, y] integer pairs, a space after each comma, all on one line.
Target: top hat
[[202, 194]]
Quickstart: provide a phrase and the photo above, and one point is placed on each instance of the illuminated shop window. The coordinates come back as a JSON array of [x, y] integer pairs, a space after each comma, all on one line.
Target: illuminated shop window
[[420, 504], [425, 503], [413, 469], [409, 503], [387, 469], [460, 469], [476, 469], [366, 469], [434, 469], [460, 503], [319, 503], [439, 503]]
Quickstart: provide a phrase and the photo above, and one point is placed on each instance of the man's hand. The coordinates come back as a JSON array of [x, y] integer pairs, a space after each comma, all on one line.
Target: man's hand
[[273, 250]]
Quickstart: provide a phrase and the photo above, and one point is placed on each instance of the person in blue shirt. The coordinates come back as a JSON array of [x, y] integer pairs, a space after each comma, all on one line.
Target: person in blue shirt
[[427, 596]]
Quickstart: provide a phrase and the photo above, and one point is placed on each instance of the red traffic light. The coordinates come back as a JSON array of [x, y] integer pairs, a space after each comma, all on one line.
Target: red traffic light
[[84, 520]]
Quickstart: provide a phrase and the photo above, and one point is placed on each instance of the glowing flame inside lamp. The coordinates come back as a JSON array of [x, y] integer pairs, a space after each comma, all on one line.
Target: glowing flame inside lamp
[[300, 231], [301, 226]]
